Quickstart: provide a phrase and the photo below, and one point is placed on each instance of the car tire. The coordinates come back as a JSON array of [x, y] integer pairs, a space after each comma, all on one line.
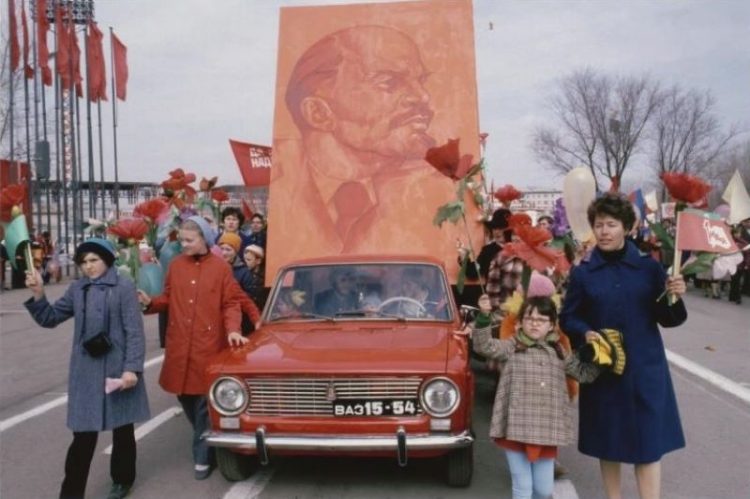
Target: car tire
[[233, 466], [460, 467]]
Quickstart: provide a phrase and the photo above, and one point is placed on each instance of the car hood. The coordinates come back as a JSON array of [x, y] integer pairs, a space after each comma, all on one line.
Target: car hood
[[341, 348]]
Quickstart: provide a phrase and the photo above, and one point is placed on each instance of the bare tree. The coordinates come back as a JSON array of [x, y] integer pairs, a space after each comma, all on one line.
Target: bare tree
[[600, 122], [687, 135]]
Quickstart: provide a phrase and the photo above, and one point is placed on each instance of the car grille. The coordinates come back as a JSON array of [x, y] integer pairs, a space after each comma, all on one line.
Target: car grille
[[314, 396]]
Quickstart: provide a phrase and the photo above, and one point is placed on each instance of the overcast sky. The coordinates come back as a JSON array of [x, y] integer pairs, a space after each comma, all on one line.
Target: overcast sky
[[203, 71]]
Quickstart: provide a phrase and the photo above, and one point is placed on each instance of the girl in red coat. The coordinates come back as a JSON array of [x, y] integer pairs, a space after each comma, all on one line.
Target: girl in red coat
[[204, 317]]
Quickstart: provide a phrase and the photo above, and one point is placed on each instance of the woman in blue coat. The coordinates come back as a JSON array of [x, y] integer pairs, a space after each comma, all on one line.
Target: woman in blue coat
[[106, 390], [633, 417]]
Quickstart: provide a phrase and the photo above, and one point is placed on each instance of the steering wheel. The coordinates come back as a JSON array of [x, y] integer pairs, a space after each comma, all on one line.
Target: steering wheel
[[398, 299]]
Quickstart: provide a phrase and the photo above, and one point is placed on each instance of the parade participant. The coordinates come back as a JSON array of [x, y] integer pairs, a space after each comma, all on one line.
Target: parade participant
[[257, 234], [632, 418], [106, 390], [340, 297], [253, 260], [499, 233], [231, 222], [200, 296], [229, 244], [545, 222], [531, 415]]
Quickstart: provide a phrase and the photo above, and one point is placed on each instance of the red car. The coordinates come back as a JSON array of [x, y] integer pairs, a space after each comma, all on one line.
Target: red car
[[355, 357]]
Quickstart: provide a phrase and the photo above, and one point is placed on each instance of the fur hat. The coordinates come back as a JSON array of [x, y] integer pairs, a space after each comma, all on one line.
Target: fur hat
[[255, 249], [499, 219], [208, 233], [231, 239], [103, 248]]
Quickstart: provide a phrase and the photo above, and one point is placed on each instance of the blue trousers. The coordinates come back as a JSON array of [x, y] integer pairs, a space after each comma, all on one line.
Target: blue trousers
[[196, 410], [529, 479]]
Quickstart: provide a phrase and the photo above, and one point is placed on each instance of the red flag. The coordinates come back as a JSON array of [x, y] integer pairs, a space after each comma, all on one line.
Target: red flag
[[15, 50], [75, 53], [42, 51], [28, 71], [700, 231], [97, 79], [254, 162], [120, 52], [62, 58]]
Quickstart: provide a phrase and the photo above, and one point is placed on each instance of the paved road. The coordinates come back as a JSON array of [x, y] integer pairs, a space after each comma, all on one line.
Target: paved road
[[33, 373]]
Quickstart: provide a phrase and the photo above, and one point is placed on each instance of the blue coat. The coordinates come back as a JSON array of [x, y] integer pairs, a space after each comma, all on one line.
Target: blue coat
[[632, 418], [89, 409]]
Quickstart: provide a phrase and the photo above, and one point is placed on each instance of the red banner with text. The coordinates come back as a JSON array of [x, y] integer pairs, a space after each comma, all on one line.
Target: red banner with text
[[254, 162]]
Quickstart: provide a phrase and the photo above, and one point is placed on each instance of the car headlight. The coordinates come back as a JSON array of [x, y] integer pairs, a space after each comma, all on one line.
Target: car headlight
[[229, 396], [440, 397]]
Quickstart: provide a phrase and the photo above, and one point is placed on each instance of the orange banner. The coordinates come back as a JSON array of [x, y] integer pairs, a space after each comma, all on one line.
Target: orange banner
[[254, 162], [362, 91]]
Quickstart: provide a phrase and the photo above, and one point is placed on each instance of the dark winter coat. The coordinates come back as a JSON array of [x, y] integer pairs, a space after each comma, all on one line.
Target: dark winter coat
[[89, 408], [200, 294], [631, 418]]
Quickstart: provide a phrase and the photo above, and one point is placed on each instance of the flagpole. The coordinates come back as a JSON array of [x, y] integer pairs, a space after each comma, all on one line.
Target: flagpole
[[61, 199], [102, 190], [677, 262], [114, 123], [32, 191], [90, 135]]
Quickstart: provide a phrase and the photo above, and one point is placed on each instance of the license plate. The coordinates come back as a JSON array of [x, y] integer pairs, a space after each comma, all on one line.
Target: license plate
[[392, 407]]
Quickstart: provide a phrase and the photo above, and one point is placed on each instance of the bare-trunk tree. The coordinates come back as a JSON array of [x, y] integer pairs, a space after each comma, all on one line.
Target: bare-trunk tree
[[600, 121], [687, 135]]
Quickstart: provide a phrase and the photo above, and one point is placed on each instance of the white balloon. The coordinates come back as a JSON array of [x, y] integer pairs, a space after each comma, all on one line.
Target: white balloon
[[579, 190]]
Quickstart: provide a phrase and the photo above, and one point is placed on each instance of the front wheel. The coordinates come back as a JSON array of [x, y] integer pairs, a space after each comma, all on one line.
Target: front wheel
[[460, 467], [235, 467]]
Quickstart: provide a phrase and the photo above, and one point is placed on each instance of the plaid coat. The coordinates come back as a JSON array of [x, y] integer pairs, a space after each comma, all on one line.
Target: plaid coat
[[531, 402]]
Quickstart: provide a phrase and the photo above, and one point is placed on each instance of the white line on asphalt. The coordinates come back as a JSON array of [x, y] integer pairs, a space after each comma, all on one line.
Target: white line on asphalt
[[48, 406], [564, 489], [152, 424], [710, 376], [252, 487]]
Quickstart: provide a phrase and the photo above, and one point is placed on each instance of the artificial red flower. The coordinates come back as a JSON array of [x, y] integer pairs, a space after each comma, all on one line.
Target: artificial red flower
[[177, 186], [153, 209], [131, 230], [518, 220], [219, 195], [686, 188], [206, 184], [535, 253], [533, 236], [507, 193], [10, 196], [448, 160]]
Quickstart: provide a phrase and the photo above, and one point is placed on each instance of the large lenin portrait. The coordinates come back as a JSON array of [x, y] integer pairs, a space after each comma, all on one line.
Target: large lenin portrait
[[363, 91]]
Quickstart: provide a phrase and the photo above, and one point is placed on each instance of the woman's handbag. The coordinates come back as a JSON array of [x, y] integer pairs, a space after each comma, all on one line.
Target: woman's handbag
[[98, 345]]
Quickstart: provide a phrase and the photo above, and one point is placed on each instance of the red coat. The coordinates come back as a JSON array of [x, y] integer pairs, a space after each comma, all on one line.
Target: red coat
[[203, 310]]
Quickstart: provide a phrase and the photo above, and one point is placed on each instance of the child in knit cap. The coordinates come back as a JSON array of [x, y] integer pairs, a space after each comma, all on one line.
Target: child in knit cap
[[531, 415]]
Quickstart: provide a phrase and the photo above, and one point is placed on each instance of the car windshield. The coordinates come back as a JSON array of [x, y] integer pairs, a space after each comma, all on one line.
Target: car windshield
[[393, 291]]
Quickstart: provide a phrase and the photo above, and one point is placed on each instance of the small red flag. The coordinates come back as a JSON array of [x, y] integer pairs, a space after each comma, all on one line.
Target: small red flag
[[28, 71], [254, 162], [97, 79], [699, 231], [62, 58], [42, 51], [15, 50], [120, 52]]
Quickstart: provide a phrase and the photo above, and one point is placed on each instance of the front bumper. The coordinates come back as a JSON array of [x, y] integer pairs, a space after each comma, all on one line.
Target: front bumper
[[400, 442]]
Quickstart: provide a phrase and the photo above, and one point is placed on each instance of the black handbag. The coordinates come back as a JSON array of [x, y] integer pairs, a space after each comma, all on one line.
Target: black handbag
[[100, 344]]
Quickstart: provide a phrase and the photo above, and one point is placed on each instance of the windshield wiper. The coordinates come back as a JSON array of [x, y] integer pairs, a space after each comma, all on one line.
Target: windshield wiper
[[304, 315], [369, 313]]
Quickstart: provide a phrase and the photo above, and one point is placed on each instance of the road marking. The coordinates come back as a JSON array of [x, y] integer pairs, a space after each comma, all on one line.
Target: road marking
[[252, 487], [152, 424], [710, 376], [48, 406], [564, 489]]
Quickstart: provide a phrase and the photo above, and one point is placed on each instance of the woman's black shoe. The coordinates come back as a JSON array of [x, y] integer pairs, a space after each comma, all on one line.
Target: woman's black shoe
[[119, 490]]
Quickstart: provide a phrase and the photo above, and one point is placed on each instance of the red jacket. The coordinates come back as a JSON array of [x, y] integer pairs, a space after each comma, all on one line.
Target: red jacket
[[203, 309]]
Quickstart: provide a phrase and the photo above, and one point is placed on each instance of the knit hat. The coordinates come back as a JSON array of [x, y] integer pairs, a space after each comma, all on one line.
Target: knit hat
[[607, 352], [208, 233], [255, 249], [103, 248], [540, 285], [231, 239]]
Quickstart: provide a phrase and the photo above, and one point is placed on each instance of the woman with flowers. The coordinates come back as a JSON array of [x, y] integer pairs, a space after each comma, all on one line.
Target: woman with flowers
[[632, 417]]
